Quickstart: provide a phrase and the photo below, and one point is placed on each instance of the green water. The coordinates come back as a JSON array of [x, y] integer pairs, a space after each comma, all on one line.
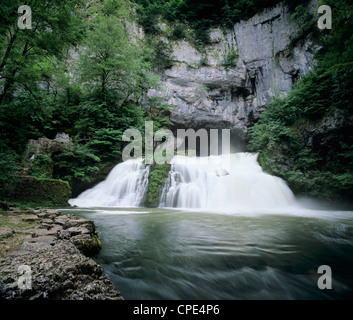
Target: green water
[[173, 254]]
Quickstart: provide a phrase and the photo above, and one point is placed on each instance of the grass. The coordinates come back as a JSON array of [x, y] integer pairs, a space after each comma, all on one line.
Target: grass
[[13, 231]]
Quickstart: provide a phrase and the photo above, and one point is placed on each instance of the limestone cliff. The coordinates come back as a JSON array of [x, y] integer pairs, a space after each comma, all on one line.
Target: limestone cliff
[[209, 92]]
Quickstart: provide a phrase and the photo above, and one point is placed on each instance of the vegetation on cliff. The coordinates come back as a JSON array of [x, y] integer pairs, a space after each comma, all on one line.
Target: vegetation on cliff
[[199, 16], [156, 179], [312, 161], [78, 71]]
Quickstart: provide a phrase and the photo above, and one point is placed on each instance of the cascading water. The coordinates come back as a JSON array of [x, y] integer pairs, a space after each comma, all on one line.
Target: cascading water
[[233, 181], [223, 182], [125, 186]]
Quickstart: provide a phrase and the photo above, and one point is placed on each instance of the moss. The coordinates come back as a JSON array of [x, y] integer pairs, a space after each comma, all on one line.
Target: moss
[[156, 179], [88, 245], [99, 243], [47, 192]]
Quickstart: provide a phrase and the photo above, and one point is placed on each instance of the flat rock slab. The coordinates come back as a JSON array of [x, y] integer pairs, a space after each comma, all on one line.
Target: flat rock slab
[[56, 261], [30, 218]]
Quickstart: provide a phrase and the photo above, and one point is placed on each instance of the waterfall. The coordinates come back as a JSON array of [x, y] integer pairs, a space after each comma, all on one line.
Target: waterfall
[[214, 182], [223, 182], [125, 186]]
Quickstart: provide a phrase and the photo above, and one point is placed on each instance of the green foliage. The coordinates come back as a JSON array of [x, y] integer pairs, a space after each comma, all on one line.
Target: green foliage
[[305, 25], [114, 76], [27, 75], [178, 32], [42, 166], [8, 167], [201, 33], [162, 57], [201, 92], [199, 15], [337, 46], [324, 168], [77, 163], [77, 71], [203, 61], [110, 65], [230, 58], [157, 176], [158, 111], [25, 54], [48, 192]]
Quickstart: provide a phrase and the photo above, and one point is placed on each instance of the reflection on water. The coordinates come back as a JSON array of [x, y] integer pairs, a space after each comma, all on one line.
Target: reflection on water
[[173, 254]]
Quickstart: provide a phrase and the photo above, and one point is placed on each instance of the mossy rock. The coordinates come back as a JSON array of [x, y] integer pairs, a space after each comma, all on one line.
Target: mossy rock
[[156, 179], [40, 190], [89, 245]]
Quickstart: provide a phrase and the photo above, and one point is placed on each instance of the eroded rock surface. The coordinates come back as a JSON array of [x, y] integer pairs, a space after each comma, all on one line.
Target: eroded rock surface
[[209, 91], [55, 260]]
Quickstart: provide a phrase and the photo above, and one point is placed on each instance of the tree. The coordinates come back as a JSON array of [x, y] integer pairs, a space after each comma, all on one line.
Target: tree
[[55, 24], [323, 167], [29, 61], [110, 63], [28, 64]]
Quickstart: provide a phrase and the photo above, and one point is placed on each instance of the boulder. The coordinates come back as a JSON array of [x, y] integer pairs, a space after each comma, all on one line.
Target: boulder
[[47, 146]]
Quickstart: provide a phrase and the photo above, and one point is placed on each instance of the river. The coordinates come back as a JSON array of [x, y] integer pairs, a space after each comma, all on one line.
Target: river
[[183, 254]]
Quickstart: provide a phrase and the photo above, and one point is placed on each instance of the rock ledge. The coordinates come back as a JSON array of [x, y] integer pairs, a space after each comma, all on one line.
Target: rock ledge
[[54, 261]]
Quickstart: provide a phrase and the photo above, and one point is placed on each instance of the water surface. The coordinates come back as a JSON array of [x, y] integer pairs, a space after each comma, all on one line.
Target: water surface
[[175, 254]]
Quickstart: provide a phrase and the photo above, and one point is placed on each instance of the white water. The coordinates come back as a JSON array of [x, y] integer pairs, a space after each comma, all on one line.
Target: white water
[[224, 182], [233, 181], [125, 186]]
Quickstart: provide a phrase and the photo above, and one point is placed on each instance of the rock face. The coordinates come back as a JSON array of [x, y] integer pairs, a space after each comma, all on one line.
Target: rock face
[[210, 91], [47, 146], [38, 154], [55, 262], [322, 136]]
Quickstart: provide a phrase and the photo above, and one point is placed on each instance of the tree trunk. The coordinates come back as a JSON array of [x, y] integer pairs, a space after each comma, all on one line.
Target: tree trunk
[[8, 50], [11, 80]]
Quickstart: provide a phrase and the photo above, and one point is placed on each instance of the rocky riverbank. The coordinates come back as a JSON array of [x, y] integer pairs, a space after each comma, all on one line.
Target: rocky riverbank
[[45, 254]]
